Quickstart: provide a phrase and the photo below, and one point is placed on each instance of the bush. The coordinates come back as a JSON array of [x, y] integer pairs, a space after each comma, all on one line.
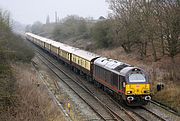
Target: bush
[[12, 49], [70, 27], [101, 33], [16, 49]]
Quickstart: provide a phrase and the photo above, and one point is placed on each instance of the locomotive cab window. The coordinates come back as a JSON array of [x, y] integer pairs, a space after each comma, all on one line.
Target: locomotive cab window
[[137, 77]]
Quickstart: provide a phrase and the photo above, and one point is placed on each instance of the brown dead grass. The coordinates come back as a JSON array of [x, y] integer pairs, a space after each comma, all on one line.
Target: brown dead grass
[[170, 96], [32, 102]]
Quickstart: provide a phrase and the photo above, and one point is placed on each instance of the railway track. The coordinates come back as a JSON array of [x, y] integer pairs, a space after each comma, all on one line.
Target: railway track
[[153, 114], [97, 106], [115, 104], [146, 115], [165, 107], [111, 113], [116, 114], [54, 98]]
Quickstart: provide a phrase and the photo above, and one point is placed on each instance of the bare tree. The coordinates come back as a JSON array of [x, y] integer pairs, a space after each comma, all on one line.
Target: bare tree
[[147, 24], [169, 20], [124, 24]]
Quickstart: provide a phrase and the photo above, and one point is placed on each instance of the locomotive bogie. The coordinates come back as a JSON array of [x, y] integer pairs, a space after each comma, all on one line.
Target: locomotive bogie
[[136, 100]]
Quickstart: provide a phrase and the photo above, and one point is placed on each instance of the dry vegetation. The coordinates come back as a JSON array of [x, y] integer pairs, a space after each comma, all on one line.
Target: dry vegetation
[[31, 100], [61, 92], [21, 98], [170, 96]]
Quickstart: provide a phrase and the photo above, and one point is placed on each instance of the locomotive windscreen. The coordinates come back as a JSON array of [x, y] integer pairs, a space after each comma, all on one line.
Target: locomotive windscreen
[[137, 77]]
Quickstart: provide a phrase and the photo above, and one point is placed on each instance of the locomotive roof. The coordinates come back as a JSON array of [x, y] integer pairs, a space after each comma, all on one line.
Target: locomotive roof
[[125, 70], [110, 64], [85, 54]]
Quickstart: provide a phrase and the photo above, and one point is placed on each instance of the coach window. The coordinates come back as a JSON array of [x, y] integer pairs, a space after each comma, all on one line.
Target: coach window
[[69, 56], [81, 62], [86, 64], [73, 58]]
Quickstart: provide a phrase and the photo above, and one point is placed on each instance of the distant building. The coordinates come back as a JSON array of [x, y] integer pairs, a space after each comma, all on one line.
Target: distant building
[[102, 18]]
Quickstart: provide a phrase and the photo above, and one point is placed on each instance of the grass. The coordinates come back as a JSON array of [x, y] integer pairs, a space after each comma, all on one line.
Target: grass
[[20, 97], [16, 49], [31, 102], [12, 49], [169, 96]]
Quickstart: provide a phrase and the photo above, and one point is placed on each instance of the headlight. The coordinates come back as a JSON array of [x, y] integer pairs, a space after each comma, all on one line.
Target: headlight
[[129, 92], [146, 91]]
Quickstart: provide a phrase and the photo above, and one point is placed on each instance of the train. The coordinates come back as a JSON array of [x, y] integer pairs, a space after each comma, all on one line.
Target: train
[[125, 82]]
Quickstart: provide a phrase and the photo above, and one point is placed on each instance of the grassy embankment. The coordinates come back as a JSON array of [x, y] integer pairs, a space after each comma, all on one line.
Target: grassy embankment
[[20, 97]]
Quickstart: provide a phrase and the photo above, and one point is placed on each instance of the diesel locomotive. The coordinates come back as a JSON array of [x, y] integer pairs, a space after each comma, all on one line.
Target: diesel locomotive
[[126, 82]]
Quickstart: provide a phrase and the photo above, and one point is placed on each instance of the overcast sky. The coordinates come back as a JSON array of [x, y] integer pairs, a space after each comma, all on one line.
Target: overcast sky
[[29, 11]]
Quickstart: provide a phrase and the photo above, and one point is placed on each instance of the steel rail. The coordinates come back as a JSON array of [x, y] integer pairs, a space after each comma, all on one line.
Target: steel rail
[[100, 115], [165, 107]]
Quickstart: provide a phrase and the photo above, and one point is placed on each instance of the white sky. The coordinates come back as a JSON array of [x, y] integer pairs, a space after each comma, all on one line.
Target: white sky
[[29, 11]]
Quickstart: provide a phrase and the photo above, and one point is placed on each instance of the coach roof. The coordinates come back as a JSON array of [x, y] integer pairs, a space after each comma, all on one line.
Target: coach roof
[[85, 54]]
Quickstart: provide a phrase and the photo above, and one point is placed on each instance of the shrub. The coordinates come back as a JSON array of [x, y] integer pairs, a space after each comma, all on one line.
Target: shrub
[[101, 33]]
